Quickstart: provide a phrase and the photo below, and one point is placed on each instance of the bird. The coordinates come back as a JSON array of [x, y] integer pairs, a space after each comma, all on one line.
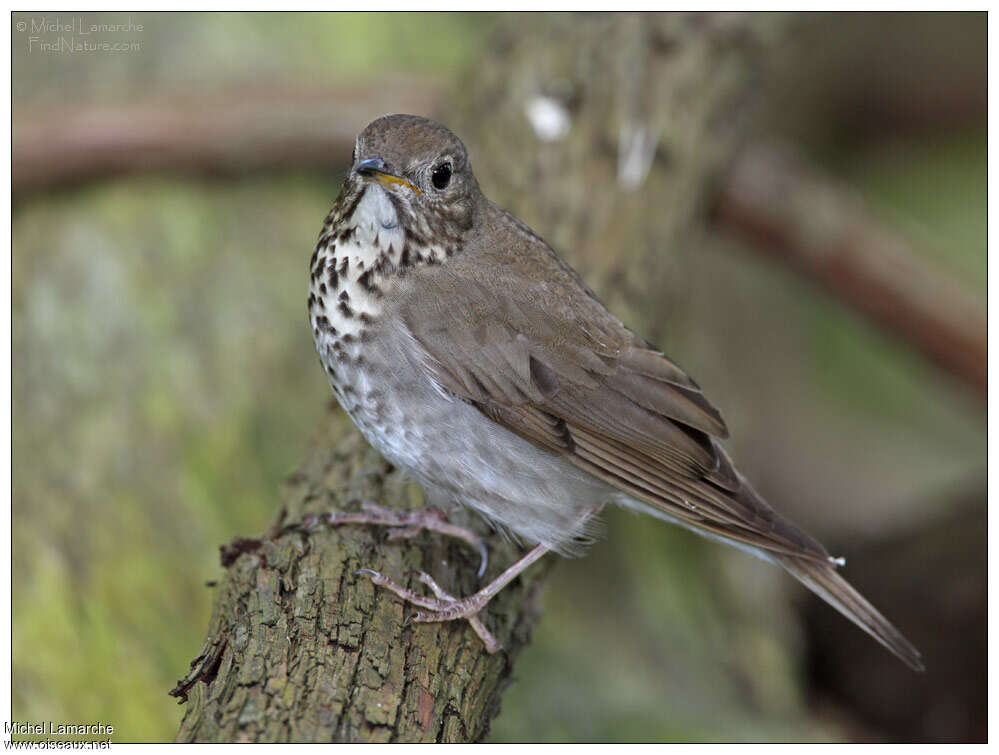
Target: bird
[[474, 358]]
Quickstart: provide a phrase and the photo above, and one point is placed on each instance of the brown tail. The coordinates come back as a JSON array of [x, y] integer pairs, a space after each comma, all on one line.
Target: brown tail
[[823, 580]]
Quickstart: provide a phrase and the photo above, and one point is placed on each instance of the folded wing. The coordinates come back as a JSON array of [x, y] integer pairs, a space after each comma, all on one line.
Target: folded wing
[[543, 358]]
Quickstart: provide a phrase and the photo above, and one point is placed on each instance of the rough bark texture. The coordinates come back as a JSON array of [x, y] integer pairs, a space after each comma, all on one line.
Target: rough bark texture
[[301, 649]]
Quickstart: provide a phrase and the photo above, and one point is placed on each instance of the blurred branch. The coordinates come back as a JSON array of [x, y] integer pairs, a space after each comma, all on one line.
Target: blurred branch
[[822, 230], [783, 207], [234, 134]]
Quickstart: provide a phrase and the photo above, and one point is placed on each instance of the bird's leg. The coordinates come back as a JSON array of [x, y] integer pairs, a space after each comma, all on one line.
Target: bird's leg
[[407, 524], [446, 608]]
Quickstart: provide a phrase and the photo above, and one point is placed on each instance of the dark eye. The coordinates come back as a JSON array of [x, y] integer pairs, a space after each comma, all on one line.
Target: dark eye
[[441, 176]]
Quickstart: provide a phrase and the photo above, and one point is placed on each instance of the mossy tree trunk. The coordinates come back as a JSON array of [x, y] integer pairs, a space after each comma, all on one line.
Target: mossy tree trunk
[[299, 647]]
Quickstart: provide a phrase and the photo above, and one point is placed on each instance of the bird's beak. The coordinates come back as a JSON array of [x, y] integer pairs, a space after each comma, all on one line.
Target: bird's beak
[[373, 169]]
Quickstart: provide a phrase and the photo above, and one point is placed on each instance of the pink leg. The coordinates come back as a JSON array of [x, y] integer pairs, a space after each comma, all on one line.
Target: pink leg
[[446, 608]]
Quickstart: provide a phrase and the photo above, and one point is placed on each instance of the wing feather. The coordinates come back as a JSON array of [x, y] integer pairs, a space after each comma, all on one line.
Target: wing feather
[[534, 351], [574, 381]]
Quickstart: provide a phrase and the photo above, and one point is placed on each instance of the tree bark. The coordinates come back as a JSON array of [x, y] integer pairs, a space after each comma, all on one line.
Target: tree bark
[[302, 649]]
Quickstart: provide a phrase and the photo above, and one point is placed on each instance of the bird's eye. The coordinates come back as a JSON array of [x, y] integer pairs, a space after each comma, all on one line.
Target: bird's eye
[[441, 176]]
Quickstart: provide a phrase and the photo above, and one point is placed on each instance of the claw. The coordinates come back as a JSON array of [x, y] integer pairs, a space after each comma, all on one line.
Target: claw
[[483, 559], [369, 572]]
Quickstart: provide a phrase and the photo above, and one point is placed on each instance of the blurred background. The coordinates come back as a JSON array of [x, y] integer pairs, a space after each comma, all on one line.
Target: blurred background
[[168, 191]]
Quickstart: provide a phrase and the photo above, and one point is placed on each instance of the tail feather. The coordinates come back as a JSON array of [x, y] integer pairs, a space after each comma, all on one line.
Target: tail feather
[[823, 580]]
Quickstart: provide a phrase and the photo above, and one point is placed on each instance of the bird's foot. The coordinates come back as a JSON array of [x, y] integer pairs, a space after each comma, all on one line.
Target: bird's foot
[[444, 607], [407, 524]]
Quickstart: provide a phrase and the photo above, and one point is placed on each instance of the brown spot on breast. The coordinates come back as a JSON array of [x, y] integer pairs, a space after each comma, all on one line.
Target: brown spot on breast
[[345, 309], [365, 281], [323, 322]]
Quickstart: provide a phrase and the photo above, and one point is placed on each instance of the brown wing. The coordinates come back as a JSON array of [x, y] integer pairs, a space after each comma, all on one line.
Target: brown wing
[[546, 360], [535, 351]]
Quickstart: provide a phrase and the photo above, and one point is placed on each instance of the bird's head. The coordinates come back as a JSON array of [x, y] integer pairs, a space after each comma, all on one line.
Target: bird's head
[[420, 173]]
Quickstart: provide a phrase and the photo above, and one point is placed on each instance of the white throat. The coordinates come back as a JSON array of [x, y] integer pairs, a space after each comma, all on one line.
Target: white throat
[[345, 295], [377, 223]]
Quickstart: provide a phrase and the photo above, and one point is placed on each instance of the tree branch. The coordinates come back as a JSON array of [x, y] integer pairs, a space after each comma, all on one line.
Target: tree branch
[[822, 230], [302, 649], [785, 209], [234, 134]]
